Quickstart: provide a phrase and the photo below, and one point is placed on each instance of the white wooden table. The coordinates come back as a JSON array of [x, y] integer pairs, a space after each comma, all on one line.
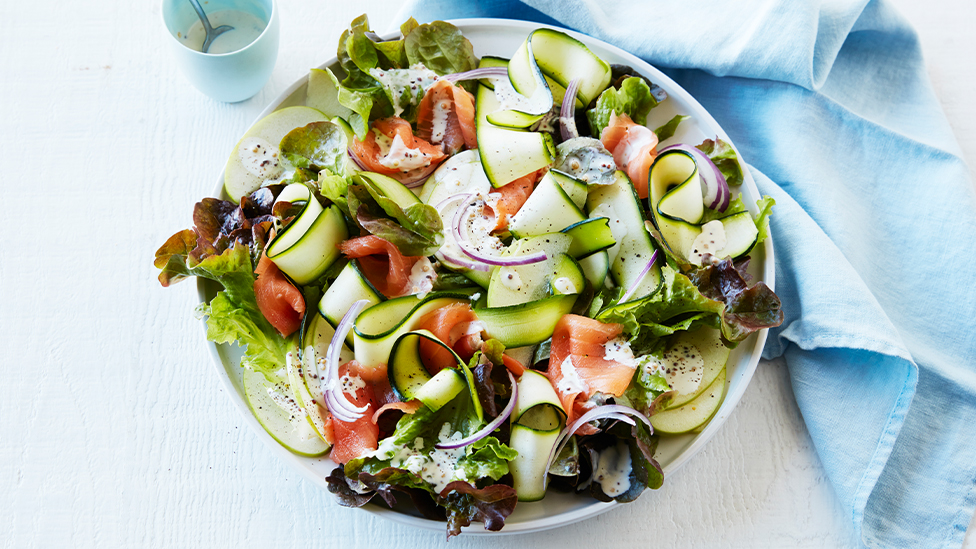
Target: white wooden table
[[113, 427]]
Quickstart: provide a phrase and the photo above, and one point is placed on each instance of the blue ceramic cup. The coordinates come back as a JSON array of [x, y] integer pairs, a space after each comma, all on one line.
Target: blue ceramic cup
[[233, 76]]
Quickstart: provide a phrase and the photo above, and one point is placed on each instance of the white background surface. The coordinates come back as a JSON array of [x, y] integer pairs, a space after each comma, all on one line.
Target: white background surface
[[113, 427]]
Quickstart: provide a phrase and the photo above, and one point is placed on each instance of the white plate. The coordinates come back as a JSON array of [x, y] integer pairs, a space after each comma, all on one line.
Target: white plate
[[501, 37]]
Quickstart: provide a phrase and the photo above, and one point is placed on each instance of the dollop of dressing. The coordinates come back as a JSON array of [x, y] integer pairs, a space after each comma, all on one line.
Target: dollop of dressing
[[509, 99], [440, 112], [684, 368], [404, 83], [570, 381], [351, 384], [260, 158], [400, 157], [613, 469], [618, 350], [586, 159], [564, 285], [510, 278], [422, 277], [711, 241], [438, 467]]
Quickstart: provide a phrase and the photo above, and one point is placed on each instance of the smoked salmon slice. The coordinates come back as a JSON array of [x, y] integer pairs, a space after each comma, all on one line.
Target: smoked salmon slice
[[634, 148], [454, 326], [391, 148], [513, 195], [384, 266], [278, 300], [445, 117], [582, 339], [353, 439]]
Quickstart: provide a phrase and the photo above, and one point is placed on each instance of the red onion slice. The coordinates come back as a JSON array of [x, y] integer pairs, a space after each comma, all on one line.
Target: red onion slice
[[444, 255], [336, 400], [608, 411], [637, 281], [567, 112], [475, 74], [715, 189], [488, 429], [485, 258]]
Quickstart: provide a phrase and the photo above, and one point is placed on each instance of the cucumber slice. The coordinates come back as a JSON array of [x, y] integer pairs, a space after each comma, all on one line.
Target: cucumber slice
[[693, 414], [350, 286], [303, 397], [634, 247], [527, 323], [537, 421], [595, 268], [491, 61], [525, 283], [507, 154], [575, 189], [441, 389], [315, 249], [390, 188], [241, 177], [318, 333], [529, 468], [590, 236], [741, 234], [379, 327], [561, 58], [675, 200], [547, 210], [527, 80], [275, 409]]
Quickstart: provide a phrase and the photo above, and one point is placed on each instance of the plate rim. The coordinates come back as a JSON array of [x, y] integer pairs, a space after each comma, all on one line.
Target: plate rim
[[731, 399]]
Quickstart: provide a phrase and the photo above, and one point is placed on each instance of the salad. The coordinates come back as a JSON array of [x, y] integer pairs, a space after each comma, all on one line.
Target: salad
[[468, 281]]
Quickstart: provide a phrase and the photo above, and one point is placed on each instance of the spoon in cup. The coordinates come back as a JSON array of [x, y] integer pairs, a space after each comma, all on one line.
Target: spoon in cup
[[212, 33]]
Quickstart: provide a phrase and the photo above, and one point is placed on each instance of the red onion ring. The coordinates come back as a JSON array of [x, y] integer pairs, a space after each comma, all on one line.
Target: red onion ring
[[488, 429], [484, 258], [567, 112], [715, 189], [633, 287], [336, 400], [608, 411], [449, 258], [475, 74]]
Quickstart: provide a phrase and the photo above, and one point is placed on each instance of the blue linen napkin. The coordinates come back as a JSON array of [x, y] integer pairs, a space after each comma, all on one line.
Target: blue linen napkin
[[874, 228]]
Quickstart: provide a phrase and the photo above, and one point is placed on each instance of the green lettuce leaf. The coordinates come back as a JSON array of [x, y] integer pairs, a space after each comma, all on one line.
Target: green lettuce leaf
[[724, 158], [667, 130], [350, 49], [765, 204], [486, 458], [362, 101], [440, 47], [317, 146], [334, 188], [416, 230], [633, 98]]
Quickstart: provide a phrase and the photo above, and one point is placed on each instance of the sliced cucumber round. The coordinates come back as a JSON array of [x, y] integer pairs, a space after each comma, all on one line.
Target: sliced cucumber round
[[349, 287]]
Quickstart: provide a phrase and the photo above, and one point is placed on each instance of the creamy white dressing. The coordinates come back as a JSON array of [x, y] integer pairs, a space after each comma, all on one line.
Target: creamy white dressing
[[400, 157], [613, 469], [618, 229], [260, 158], [404, 82], [683, 368], [510, 278], [509, 99], [564, 285], [247, 28], [618, 350], [351, 384], [570, 381], [422, 276], [711, 240], [440, 114], [437, 468], [286, 402]]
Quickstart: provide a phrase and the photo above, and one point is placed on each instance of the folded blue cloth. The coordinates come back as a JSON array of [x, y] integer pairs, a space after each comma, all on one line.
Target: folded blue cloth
[[874, 228]]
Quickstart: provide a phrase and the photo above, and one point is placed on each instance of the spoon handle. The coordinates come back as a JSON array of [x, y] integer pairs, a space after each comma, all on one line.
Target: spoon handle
[[202, 15]]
